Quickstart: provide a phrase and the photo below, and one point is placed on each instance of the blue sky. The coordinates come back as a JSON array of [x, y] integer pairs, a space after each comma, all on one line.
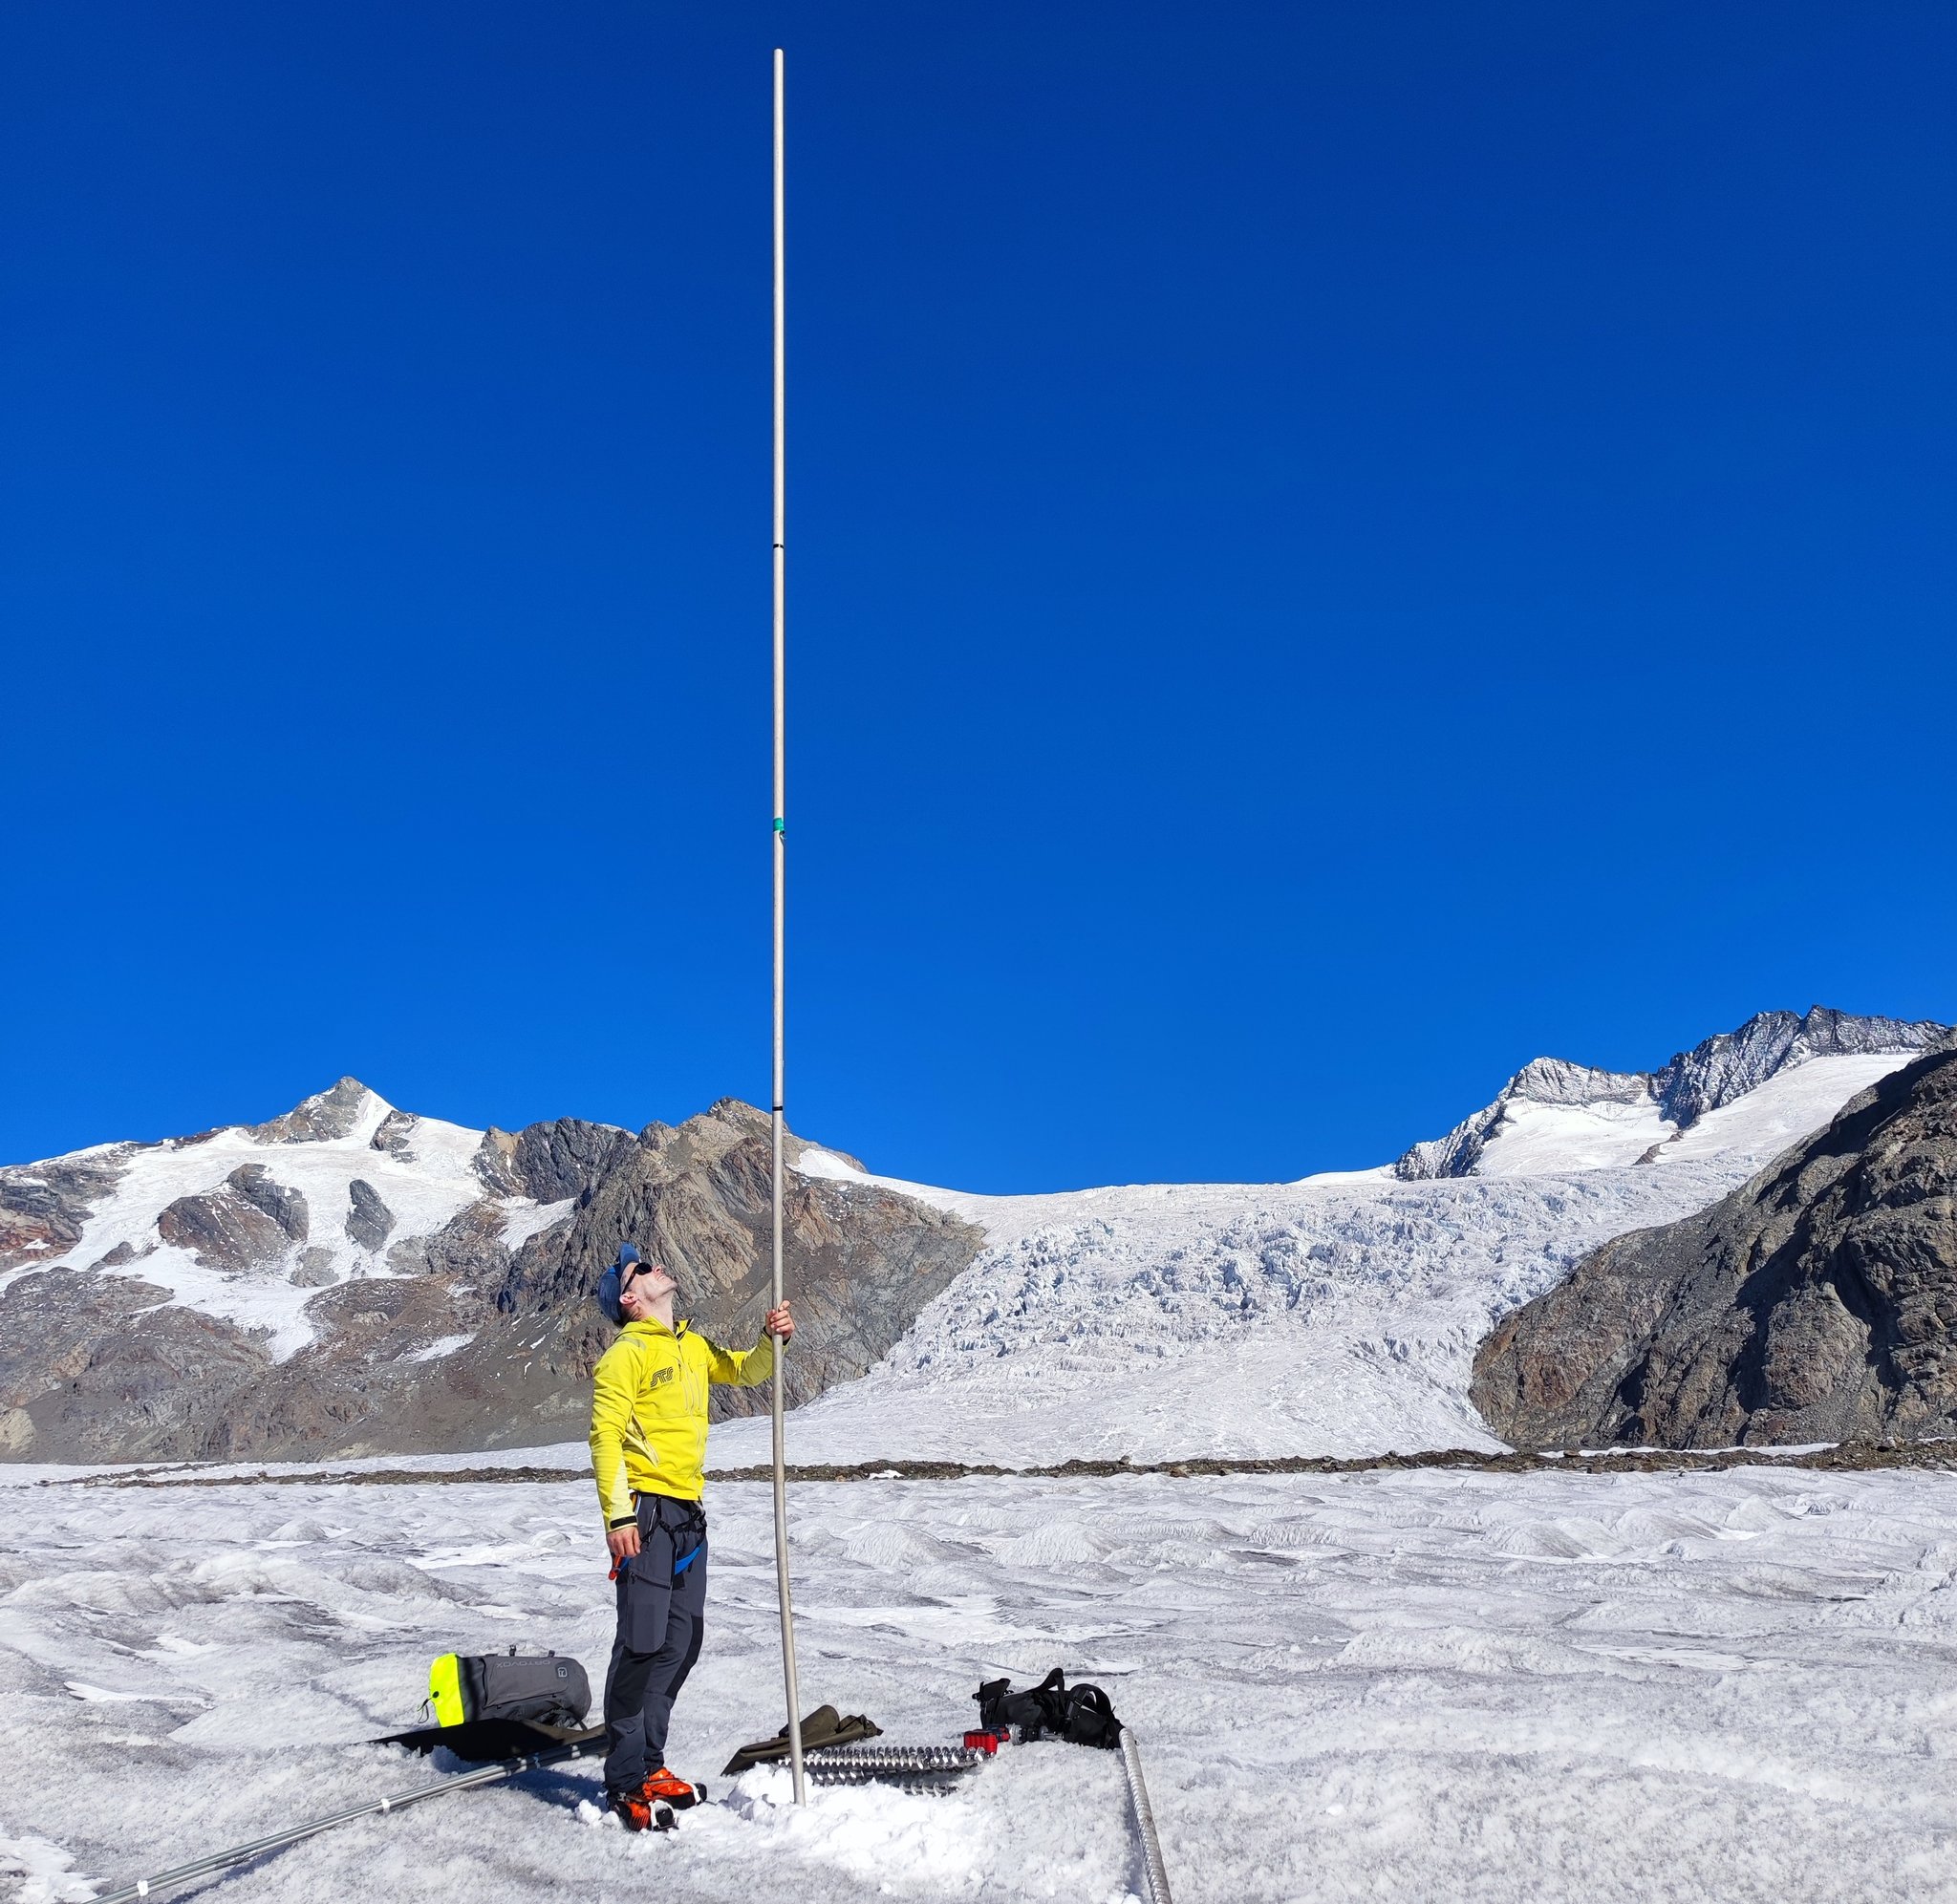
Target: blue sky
[[1334, 548]]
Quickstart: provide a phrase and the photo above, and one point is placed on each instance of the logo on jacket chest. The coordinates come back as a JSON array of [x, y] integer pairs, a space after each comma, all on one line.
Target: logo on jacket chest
[[659, 1377]]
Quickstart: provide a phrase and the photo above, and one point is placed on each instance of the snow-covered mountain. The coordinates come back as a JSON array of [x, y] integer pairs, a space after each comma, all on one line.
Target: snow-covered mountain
[[350, 1276], [248, 1224], [1335, 1315], [1553, 1115]]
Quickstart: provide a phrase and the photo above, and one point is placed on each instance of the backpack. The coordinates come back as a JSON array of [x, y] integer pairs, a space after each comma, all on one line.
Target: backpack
[[532, 1689], [1080, 1715]]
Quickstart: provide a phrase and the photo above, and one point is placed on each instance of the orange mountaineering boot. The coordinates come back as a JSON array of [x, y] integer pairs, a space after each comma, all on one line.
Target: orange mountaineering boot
[[634, 1809], [664, 1788]]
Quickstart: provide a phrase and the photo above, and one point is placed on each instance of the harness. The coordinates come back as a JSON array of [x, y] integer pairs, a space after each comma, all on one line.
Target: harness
[[692, 1523]]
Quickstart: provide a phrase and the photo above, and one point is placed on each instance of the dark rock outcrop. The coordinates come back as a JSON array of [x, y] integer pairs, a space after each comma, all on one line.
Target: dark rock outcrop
[[116, 1371], [287, 1208], [468, 1247], [316, 1269], [1817, 1303], [562, 1158], [106, 1367], [370, 1223], [863, 1261], [43, 1207], [395, 1136], [247, 1223]]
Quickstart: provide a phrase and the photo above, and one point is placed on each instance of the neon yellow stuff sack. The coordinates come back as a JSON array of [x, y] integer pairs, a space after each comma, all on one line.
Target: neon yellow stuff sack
[[446, 1691]]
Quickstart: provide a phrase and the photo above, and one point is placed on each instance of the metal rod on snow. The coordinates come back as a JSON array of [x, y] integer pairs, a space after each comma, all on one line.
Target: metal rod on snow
[[1145, 1820], [788, 1677], [183, 1873]]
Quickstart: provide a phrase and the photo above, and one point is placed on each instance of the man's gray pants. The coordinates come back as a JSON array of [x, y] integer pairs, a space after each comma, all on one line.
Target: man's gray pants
[[662, 1603]]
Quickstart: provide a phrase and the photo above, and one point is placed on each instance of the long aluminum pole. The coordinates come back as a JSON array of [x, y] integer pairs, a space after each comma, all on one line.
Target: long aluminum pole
[[779, 1383], [217, 1861]]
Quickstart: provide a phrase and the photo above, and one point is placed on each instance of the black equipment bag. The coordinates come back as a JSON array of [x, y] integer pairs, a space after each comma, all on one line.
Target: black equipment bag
[[1080, 1715]]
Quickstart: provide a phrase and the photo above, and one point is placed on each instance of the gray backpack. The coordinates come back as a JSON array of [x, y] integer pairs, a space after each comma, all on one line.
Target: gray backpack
[[536, 1689]]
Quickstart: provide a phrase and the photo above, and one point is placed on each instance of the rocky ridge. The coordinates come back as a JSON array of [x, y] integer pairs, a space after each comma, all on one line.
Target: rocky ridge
[[1711, 1075], [1816, 1303]]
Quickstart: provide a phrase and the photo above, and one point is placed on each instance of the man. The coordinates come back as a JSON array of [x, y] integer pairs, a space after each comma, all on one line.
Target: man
[[648, 1444]]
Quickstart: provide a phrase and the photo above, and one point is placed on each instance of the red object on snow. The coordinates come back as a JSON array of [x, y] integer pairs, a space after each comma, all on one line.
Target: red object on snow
[[986, 1741]]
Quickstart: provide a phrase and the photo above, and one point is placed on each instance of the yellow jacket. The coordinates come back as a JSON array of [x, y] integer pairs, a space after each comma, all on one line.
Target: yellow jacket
[[649, 1411]]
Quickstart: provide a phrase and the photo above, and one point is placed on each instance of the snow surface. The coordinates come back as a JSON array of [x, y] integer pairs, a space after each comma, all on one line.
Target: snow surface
[[435, 1182], [1401, 1685], [1781, 1111], [816, 1161], [1532, 1139]]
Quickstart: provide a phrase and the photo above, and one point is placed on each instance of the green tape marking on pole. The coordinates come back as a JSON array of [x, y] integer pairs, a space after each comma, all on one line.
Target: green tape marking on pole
[[781, 825]]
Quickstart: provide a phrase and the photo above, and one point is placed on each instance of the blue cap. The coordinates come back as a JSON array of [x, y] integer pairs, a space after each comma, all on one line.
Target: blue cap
[[612, 1282]]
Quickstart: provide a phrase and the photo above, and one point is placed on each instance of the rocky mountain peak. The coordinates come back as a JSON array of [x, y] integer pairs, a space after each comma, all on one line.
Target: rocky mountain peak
[[1726, 1067], [703, 1140], [1714, 1073], [328, 1116], [1555, 1080]]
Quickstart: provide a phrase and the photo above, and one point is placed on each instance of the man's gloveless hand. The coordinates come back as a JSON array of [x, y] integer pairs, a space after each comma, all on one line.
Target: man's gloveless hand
[[623, 1542], [778, 1323]]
